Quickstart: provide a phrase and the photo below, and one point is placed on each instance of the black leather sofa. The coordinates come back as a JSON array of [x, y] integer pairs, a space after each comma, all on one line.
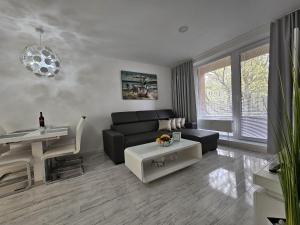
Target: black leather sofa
[[140, 127]]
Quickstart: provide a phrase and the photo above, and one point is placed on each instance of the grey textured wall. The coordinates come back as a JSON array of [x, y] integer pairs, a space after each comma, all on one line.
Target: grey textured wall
[[88, 84]]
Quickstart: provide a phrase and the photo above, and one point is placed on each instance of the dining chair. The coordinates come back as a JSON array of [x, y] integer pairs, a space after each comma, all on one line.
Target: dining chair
[[53, 152], [3, 147], [13, 180]]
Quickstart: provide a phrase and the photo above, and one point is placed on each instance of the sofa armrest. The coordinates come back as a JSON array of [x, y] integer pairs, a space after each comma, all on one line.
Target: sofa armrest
[[191, 125], [113, 143]]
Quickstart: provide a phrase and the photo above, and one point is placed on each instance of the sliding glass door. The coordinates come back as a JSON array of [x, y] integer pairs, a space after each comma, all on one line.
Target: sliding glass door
[[254, 93], [235, 88]]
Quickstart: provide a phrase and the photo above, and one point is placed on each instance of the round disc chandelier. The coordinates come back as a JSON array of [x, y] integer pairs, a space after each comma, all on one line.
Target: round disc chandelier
[[41, 60]]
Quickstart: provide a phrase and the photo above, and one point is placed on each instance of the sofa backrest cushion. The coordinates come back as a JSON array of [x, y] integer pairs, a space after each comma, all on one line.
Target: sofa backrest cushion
[[124, 117], [165, 114], [136, 128], [147, 115]]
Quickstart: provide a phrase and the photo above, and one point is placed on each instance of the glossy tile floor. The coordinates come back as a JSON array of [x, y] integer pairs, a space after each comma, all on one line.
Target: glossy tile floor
[[217, 190]]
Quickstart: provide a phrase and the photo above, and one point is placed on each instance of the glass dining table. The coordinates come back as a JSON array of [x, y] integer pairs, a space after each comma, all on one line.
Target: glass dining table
[[36, 138]]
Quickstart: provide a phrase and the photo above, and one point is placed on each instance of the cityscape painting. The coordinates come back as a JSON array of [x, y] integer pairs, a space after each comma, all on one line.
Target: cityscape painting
[[139, 86]]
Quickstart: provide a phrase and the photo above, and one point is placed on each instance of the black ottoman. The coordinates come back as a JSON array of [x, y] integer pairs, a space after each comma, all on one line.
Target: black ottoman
[[208, 139]]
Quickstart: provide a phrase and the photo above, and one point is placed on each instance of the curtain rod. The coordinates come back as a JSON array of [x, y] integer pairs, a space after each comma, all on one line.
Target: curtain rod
[[286, 14], [295, 10]]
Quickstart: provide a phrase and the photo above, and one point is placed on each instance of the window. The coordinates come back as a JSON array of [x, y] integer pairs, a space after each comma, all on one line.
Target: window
[[215, 92], [254, 92], [244, 75]]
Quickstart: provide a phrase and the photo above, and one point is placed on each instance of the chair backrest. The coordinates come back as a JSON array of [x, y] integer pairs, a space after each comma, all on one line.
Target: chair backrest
[[79, 130], [2, 131], [3, 147]]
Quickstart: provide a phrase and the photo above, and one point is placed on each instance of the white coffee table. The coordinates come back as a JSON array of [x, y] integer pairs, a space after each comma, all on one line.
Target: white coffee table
[[139, 158]]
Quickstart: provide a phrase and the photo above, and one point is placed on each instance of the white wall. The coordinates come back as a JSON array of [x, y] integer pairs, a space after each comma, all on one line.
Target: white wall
[[87, 85]]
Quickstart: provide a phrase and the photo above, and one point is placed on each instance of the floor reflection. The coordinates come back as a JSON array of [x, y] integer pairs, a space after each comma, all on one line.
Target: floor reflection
[[227, 153], [235, 177], [224, 181]]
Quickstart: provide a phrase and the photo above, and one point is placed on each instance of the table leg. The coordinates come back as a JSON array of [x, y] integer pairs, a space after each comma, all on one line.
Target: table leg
[[38, 164]]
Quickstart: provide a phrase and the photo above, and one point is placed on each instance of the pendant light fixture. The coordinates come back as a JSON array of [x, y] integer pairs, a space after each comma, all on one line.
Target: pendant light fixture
[[41, 60]]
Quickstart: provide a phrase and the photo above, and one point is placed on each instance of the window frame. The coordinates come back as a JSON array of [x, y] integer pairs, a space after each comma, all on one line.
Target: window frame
[[235, 85]]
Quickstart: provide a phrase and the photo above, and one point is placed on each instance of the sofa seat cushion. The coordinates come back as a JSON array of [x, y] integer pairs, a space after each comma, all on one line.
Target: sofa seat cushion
[[139, 139], [202, 136]]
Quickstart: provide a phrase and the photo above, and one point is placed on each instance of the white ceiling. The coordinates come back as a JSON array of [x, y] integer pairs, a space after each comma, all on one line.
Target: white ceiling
[[139, 30]]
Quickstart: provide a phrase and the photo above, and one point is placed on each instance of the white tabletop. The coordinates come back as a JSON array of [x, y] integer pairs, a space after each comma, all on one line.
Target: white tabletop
[[34, 135], [150, 150]]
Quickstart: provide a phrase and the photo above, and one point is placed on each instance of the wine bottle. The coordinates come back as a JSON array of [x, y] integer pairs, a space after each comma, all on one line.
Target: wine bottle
[[41, 120]]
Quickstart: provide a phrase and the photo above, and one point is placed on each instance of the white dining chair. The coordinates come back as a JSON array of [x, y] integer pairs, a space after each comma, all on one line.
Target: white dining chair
[[10, 160], [3, 147], [65, 149]]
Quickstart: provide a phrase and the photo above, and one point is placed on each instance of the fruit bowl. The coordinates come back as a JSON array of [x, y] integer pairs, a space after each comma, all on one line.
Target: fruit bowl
[[165, 140]]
